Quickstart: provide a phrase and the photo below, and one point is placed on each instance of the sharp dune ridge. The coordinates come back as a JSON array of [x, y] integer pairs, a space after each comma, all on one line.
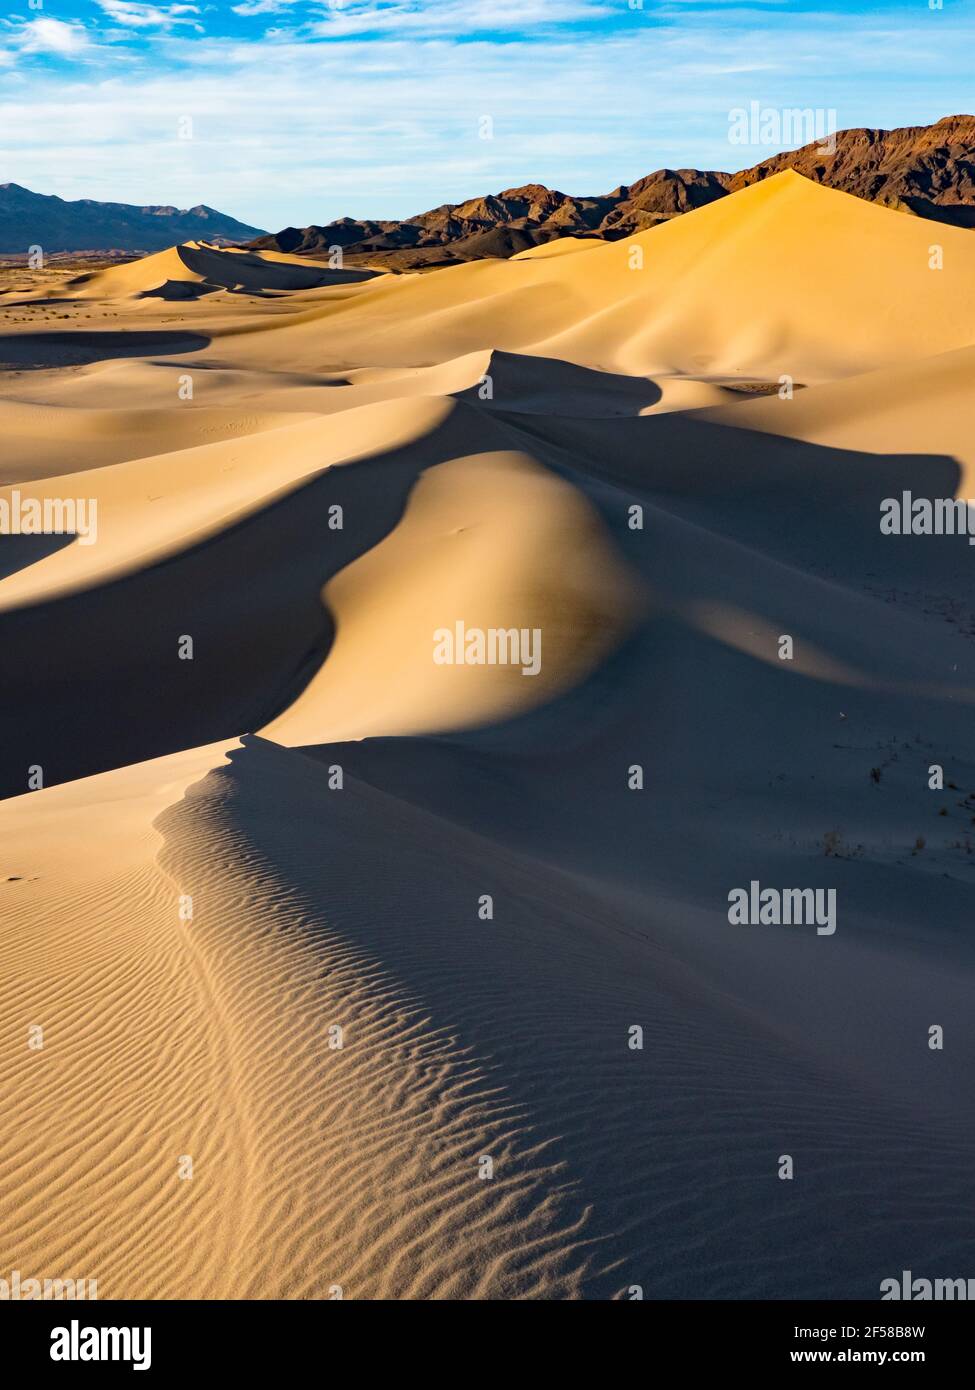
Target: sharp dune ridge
[[246, 902]]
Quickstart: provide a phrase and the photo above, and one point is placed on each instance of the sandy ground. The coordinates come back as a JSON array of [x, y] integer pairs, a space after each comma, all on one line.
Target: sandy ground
[[286, 1050]]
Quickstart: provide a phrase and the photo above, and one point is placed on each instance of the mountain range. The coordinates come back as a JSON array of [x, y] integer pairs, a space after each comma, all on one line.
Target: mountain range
[[925, 170], [36, 219], [928, 171]]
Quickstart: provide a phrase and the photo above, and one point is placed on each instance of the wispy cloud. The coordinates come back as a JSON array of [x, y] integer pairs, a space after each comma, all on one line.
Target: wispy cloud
[[253, 7], [453, 17], [139, 16]]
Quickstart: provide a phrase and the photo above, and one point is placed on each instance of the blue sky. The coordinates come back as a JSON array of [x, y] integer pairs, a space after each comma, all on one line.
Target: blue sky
[[298, 111]]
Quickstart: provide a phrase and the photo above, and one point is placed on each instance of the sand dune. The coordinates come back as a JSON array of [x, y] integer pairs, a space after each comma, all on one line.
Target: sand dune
[[363, 936], [564, 246], [42, 439], [152, 508], [474, 546], [748, 272], [917, 407], [194, 269]]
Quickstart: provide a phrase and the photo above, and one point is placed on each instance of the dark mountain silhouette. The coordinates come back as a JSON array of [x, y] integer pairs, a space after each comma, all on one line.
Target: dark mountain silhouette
[[925, 170], [35, 219]]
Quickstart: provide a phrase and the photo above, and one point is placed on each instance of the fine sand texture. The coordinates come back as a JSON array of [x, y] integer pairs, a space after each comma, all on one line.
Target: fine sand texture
[[331, 967]]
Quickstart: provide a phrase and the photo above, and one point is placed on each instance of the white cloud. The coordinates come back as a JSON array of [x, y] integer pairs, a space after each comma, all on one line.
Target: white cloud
[[343, 18], [50, 36], [251, 7], [140, 16]]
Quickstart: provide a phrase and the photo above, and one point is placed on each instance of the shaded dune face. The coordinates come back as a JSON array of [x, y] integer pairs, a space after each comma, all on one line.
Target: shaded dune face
[[440, 538], [366, 974]]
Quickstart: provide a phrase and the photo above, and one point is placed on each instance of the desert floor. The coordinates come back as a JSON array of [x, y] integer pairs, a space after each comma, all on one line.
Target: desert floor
[[281, 1039]]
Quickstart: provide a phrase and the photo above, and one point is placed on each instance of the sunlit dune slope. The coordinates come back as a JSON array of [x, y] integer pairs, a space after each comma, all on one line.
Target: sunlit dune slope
[[784, 277]]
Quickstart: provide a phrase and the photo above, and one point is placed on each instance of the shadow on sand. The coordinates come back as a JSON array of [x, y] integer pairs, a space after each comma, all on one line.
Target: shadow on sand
[[35, 352]]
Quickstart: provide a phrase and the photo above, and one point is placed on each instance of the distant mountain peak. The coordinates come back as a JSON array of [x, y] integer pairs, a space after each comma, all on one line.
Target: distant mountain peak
[[57, 224]]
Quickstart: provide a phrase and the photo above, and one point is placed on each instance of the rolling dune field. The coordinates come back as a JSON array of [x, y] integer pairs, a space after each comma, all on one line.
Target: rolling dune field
[[333, 966]]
